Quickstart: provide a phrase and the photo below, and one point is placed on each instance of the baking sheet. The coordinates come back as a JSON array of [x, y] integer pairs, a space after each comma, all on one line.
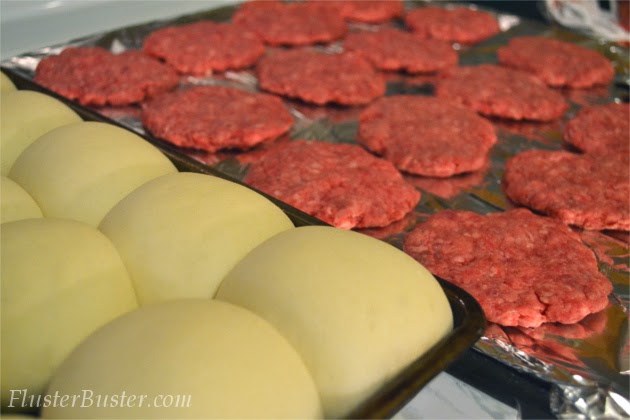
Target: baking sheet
[[594, 352]]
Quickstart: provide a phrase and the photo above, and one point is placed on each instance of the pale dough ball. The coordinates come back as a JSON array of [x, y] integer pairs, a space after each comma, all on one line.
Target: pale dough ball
[[6, 85], [60, 281], [357, 309], [15, 203], [25, 116], [180, 234], [230, 362], [80, 171]]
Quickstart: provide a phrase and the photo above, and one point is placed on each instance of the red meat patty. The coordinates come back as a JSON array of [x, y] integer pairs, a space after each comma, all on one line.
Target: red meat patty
[[501, 92], [95, 76], [426, 136], [320, 78], [461, 24], [291, 23], [341, 184], [201, 47], [601, 130], [590, 192], [213, 118], [523, 269], [557, 63], [392, 49]]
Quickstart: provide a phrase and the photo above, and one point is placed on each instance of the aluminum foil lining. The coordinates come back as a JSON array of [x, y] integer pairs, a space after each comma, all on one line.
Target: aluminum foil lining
[[588, 402], [587, 362], [590, 17]]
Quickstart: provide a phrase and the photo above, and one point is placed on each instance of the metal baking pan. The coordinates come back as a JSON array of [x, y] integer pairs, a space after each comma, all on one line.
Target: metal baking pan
[[546, 361]]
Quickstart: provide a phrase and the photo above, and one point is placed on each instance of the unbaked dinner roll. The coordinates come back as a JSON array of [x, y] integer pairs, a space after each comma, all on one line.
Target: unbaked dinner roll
[[60, 281], [15, 203], [220, 360], [357, 309], [25, 116], [6, 85], [181, 233], [80, 171]]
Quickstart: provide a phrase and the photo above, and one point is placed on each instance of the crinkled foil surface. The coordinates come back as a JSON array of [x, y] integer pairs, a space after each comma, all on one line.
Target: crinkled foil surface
[[588, 362]]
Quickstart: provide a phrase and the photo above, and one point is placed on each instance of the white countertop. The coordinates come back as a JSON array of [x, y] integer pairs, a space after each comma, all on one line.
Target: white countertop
[[26, 25]]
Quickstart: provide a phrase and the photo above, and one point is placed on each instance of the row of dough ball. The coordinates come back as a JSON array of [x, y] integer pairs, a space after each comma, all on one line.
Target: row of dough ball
[[76, 172], [330, 312], [343, 312], [65, 278]]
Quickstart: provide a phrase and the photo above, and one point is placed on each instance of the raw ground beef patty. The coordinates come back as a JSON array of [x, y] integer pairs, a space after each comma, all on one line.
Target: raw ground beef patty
[[341, 184], [291, 23], [501, 92], [590, 192], [523, 269], [320, 78], [460, 24], [212, 118], [557, 63], [603, 129], [368, 11], [201, 47], [425, 135], [392, 49], [95, 76]]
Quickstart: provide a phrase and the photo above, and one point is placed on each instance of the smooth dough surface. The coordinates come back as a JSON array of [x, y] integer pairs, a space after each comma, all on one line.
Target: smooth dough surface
[[60, 281], [15, 203], [232, 363], [25, 116], [6, 85], [357, 309], [80, 171], [181, 233]]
